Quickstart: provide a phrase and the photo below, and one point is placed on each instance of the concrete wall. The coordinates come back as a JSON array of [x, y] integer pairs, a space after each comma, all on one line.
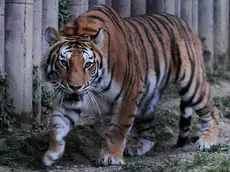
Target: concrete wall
[[122, 7], [95, 2], [221, 28], [195, 14], [138, 7], [22, 36], [49, 18], [170, 6], [19, 41], [77, 7], [178, 8], [109, 3], [2, 36], [37, 56], [206, 25], [186, 11]]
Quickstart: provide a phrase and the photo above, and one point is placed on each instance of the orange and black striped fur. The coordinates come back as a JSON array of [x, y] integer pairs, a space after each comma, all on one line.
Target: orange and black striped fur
[[102, 63]]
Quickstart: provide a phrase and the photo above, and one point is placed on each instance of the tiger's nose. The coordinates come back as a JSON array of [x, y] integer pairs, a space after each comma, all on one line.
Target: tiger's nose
[[74, 87]]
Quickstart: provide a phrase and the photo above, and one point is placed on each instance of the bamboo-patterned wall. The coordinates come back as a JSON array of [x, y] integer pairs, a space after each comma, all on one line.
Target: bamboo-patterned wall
[[23, 22]]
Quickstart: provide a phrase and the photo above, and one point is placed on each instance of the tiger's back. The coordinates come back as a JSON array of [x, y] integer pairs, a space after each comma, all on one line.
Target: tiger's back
[[139, 57]]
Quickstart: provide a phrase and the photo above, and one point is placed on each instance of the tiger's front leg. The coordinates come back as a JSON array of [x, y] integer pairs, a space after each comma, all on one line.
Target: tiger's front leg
[[120, 125], [62, 121]]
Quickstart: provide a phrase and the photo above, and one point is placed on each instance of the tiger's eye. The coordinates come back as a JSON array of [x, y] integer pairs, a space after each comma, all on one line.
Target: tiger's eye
[[88, 64], [63, 63]]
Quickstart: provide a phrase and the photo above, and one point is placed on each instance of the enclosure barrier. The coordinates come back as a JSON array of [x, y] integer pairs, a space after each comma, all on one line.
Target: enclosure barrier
[[22, 42]]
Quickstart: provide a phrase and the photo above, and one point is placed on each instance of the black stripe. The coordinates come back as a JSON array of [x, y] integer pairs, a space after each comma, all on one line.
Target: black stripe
[[131, 116], [149, 129], [96, 17], [182, 141], [142, 49], [70, 120], [153, 46], [110, 138], [122, 87], [185, 123], [111, 79], [178, 64]]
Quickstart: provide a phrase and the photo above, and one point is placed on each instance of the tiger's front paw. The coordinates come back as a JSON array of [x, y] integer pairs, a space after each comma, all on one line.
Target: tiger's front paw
[[139, 148], [51, 157], [205, 144], [110, 159]]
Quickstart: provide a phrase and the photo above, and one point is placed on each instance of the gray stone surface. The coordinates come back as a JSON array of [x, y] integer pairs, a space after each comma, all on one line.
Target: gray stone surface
[[186, 11], [206, 26], [2, 35], [109, 3], [195, 15], [138, 7], [169, 6], [49, 19], [19, 44], [221, 31], [178, 8], [95, 2], [37, 56], [122, 7], [151, 6], [77, 7]]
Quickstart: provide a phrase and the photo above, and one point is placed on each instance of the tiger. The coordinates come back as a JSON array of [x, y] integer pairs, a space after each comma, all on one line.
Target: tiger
[[101, 63]]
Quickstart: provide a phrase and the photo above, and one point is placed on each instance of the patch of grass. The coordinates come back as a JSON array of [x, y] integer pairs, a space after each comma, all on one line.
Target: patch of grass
[[25, 152], [223, 103], [63, 13], [6, 104], [203, 162], [166, 123], [221, 148], [221, 73]]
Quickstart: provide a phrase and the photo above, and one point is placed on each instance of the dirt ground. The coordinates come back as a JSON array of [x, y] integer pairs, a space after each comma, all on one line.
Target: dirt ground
[[22, 153]]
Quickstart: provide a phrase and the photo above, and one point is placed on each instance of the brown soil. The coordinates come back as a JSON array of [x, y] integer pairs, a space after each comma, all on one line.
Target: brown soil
[[84, 142]]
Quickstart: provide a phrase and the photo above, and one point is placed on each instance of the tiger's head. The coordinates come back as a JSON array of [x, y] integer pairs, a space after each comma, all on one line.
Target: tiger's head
[[73, 65]]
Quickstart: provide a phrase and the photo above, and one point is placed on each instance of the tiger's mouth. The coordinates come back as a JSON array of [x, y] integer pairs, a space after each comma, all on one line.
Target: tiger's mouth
[[73, 97]]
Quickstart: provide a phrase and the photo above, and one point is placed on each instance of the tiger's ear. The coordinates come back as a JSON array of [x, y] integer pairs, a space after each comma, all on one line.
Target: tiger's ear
[[52, 36], [98, 38]]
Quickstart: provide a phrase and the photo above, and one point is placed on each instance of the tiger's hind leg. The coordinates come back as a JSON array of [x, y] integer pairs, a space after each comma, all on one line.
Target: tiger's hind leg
[[145, 139], [184, 124], [202, 103], [62, 122], [144, 125]]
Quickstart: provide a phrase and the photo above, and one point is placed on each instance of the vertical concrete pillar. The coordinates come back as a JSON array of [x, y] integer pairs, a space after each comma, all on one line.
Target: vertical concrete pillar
[[122, 7], [19, 45], [178, 8], [160, 5], [37, 55], [195, 15], [77, 7], [221, 31], [170, 6], [109, 3], [151, 6], [206, 32], [138, 7], [92, 3], [2, 37], [49, 19], [186, 11]]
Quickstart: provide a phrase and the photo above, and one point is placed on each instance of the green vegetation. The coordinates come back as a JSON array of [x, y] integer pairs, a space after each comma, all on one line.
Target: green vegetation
[[24, 151], [6, 105], [203, 162], [223, 103], [64, 13], [220, 73]]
